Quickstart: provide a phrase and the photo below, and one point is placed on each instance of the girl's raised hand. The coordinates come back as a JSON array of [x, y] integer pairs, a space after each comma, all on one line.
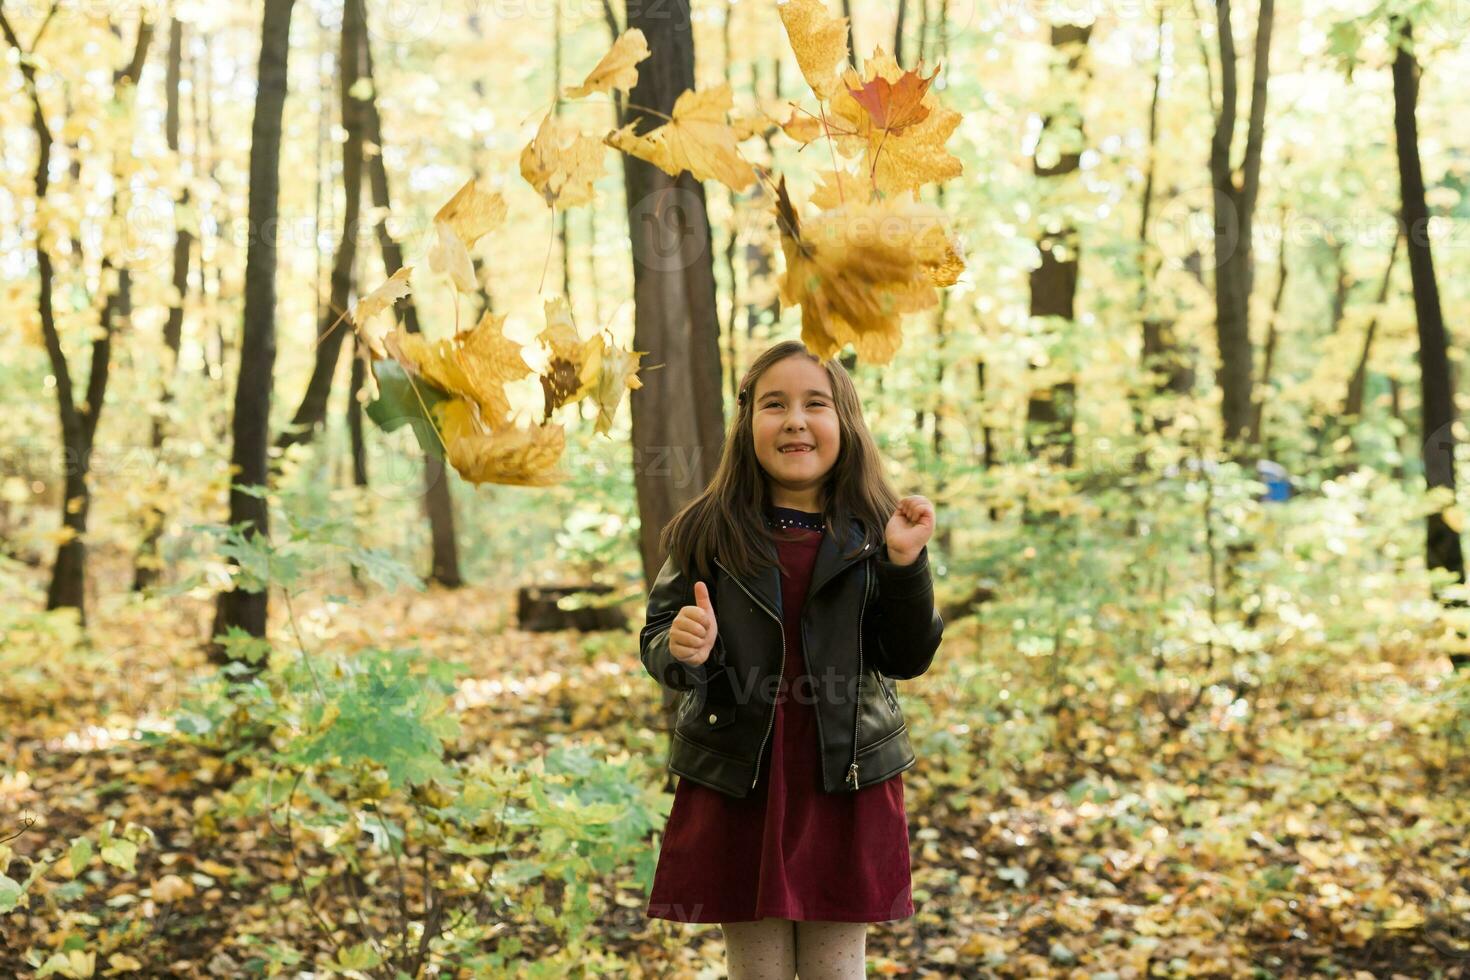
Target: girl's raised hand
[[909, 529], [692, 635]]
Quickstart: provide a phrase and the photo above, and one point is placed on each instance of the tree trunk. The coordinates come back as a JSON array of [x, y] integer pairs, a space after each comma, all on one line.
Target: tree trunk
[[1437, 400], [147, 564], [438, 502], [78, 422], [251, 425], [331, 330], [1258, 424], [1050, 413], [678, 426], [1234, 209], [1163, 359]]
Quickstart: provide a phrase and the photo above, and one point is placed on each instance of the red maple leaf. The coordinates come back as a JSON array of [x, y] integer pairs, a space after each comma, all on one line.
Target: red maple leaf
[[895, 106]]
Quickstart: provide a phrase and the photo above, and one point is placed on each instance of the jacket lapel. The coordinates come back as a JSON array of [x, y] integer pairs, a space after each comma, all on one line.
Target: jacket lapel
[[829, 557], [766, 584]]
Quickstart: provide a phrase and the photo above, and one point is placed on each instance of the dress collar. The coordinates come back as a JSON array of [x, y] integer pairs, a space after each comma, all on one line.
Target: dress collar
[[778, 517]]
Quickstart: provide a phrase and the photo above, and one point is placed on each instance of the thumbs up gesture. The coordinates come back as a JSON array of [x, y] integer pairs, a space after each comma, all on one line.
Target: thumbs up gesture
[[692, 635]]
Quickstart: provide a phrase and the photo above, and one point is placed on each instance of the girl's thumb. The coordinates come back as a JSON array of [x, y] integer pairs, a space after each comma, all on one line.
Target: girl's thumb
[[701, 597]]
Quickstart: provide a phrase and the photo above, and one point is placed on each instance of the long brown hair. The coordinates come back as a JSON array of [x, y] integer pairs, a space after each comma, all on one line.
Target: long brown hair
[[727, 518]]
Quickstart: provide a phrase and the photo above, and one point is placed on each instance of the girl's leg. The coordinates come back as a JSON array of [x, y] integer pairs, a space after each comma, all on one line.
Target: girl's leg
[[831, 950], [761, 950]]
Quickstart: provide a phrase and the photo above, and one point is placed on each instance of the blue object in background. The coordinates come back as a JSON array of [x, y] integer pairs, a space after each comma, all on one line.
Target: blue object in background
[[1277, 480]]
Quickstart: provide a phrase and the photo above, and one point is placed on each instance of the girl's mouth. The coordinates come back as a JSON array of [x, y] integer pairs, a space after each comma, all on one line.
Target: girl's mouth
[[796, 449]]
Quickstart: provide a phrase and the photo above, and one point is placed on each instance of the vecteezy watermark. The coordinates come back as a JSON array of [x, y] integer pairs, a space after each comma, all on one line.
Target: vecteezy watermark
[[680, 464], [670, 229], [1185, 229], [403, 21]]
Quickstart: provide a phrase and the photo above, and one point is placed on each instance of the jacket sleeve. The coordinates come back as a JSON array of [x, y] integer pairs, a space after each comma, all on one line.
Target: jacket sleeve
[[906, 623], [672, 590]]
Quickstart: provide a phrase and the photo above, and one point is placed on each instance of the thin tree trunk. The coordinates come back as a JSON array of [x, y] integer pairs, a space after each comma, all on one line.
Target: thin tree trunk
[[1437, 399], [1264, 385], [675, 313], [331, 330], [1050, 414], [1352, 405], [438, 501], [1234, 210], [1162, 352], [238, 608], [67, 588], [147, 565]]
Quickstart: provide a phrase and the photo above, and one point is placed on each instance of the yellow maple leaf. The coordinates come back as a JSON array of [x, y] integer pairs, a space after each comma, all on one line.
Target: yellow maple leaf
[[507, 455], [376, 302], [474, 364], [563, 171], [855, 270], [618, 373], [449, 255], [697, 138], [819, 40], [750, 124], [472, 212], [802, 126], [899, 161], [617, 68], [573, 364], [836, 188], [461, 222]]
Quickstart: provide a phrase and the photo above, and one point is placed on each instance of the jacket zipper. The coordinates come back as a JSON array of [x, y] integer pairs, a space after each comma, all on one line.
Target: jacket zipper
[[852, 772], [771, 723]]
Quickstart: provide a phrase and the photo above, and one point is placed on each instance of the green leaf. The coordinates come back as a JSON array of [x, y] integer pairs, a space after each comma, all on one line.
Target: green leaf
[[397, 404], [80, 855], [359, 957], [120, 853], [10, 893]]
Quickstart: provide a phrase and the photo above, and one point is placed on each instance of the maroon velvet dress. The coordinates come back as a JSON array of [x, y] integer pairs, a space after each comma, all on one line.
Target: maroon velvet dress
[[789, 849]]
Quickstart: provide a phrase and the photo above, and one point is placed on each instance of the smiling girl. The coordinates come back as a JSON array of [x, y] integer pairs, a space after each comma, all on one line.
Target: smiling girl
[[796, 589]]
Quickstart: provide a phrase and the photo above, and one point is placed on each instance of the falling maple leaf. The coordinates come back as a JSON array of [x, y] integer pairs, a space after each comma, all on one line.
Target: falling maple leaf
[[819, 40], [376, 302], [474, 364], [448, 255], [617, 68], [856, 269], [697, 138], [802, 126], [573, 364], [563, 171], [461, 222], [899, 161], [505, 455], [895, 106], [749, 124], [838, 187], [472, 212], [618, 373]]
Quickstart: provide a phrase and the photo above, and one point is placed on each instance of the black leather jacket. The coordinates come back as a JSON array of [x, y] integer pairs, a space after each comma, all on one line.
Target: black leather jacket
[[865, 622]]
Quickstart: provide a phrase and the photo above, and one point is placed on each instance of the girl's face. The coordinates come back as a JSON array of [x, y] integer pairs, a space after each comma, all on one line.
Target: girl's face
[[794, 407]]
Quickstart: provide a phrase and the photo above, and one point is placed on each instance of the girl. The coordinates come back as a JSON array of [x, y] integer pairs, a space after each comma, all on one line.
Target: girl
[[797, 585]]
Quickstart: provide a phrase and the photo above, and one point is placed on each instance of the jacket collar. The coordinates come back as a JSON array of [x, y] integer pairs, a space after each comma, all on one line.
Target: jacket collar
[[765, 585]]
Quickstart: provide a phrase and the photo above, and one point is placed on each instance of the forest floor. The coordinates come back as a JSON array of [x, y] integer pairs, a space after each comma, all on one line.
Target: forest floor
[[1328, 843]]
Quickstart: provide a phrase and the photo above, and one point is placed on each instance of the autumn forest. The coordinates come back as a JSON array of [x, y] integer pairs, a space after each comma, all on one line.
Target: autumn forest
[[359, 353]]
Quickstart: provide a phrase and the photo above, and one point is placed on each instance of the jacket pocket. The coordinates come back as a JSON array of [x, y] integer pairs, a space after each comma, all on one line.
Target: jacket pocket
[[713, 717], [888, 692]]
